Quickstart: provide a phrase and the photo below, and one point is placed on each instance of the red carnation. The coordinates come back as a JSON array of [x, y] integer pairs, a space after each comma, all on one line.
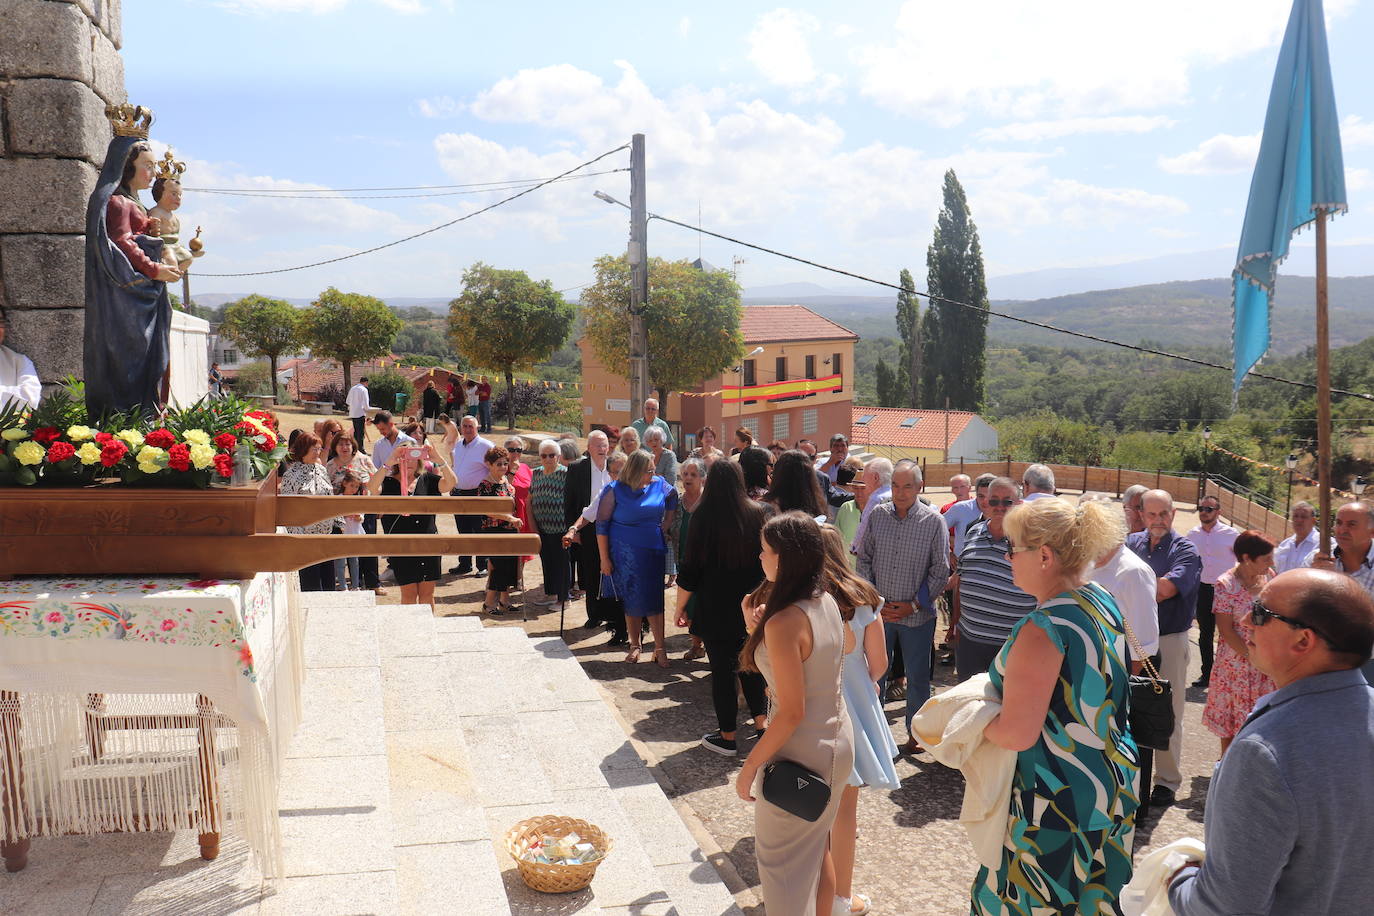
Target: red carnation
[[46, 434], [160, 438], [60, 451], [104, 438], [224, 464], [225, 442], [179, 457], [113, 452]]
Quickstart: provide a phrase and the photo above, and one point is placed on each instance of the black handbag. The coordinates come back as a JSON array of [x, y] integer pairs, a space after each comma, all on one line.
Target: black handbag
[[795, 789], [1150, 705]]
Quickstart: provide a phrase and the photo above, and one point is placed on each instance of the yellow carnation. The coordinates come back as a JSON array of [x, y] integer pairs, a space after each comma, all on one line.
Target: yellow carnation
[[196, 436], [154, 457], [14, 434], [132, 437], [29, 453], [202, 456], [89, 453], [80, 433]]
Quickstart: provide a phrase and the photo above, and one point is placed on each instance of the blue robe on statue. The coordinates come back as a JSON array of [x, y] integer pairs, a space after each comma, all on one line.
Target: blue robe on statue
[[128, 315]]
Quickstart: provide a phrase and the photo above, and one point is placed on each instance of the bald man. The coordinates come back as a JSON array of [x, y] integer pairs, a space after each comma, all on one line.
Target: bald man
[[1289, 819], [651, 418]]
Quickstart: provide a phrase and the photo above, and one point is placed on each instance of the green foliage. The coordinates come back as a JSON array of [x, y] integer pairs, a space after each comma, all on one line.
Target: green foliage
[[383, 386], [422, 339], [890, 393], [953, 336], [263, 327], [506, 320], [1042, 436], [349, 327], [909, 367], [254, 378], [692, 318]]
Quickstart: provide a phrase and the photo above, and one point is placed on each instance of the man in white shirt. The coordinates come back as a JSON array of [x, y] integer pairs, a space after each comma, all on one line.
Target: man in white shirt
[[1037, 482], [470, 467], [389, 438], [358, 401], [1293, 551], [587, 477], [18, 379], [877, 480], [1213, 540]]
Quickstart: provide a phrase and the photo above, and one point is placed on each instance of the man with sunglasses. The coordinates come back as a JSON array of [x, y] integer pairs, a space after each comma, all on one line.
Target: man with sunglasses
[[1354, 537], [1289, 822], [1213, 539], [1178, 571]]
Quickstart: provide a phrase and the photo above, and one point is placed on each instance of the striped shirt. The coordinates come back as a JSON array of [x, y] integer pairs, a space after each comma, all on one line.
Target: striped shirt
[[546, 500], [990, 604]]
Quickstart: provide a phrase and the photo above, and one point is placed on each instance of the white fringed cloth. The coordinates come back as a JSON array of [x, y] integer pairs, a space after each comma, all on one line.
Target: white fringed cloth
[[101, 687]]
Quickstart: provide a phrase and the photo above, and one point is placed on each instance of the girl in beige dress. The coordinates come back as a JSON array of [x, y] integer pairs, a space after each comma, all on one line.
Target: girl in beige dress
[[798, 642]]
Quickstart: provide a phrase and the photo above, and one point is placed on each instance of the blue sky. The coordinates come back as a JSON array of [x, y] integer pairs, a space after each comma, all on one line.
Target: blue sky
[[1084, 132]]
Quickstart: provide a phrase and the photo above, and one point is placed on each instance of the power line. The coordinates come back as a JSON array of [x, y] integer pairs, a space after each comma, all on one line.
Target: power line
[[315, 194], [356, 254], [984, 309]]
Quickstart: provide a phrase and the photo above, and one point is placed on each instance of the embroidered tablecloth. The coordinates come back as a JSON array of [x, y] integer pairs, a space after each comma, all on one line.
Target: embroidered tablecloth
[[148, 648]]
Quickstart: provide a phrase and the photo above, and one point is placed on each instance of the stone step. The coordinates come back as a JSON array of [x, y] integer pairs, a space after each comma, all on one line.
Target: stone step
[[544, 741]]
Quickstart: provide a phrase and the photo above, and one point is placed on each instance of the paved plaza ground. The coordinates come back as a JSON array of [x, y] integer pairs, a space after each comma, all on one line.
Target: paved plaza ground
[[913, 858]]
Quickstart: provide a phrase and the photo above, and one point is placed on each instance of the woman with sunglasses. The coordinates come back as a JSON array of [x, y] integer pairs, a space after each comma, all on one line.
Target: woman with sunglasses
[[1063, 680], [1236, 684], [546, 511]]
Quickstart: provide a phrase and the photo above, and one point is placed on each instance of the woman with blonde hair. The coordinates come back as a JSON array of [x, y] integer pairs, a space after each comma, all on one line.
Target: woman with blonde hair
[[632, 520], [1063, 679], [874, 748]]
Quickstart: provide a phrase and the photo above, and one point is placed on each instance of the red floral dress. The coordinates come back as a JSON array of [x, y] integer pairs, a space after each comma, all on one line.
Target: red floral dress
[[1236, 684]]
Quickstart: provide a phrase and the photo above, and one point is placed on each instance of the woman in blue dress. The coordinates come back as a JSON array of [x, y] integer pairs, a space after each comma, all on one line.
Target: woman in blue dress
[[874, 749], [631, 521]]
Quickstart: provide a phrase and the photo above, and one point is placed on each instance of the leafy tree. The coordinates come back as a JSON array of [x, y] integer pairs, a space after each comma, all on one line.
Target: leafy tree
[[1051, 439], [955, 336], [348, 328], [909, 326], [505, 320], [264, 327], [692, 318], [890, 393], [423, 340], [383, 386]]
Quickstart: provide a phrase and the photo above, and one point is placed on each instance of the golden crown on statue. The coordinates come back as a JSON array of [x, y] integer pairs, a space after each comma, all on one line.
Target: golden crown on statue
[[130, 120], [169, 169]]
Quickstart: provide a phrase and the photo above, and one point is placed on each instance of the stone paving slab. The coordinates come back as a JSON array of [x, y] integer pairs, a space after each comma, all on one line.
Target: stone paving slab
[[451, 878]]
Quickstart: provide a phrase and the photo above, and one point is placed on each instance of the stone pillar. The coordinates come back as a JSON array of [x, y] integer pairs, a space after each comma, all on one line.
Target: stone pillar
[[59, 68]]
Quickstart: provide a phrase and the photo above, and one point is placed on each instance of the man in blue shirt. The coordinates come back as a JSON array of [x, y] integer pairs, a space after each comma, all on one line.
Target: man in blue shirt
[[1178, 567], [1289, 819]]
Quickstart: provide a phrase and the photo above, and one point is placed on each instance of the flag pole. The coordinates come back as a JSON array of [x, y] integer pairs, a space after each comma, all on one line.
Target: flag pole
[[1323, 396]]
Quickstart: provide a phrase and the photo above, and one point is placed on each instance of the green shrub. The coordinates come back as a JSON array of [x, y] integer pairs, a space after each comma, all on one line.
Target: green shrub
[[385, 385]]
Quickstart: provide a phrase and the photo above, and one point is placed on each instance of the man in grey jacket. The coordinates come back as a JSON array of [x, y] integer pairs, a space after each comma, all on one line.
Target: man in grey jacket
[[1290, 820]]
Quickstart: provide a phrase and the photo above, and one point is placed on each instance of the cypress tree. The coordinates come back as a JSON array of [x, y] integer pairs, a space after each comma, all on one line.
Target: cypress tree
[[909, 326], [955, 336]]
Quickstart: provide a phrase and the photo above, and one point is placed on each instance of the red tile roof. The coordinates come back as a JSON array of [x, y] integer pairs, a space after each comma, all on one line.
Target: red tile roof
[[769, 323], [885, 426]]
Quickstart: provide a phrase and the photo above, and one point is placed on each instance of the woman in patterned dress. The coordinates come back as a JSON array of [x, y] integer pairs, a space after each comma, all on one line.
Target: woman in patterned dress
[[544, 512], [1063, 679], [305, 474], [501, 572], [1237, 684]]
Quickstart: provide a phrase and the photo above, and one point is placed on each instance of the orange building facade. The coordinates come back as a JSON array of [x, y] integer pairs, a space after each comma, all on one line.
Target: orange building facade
[[799, 386]]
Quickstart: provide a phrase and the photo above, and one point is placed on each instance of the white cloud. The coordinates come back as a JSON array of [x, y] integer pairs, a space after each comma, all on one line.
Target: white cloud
[[1088, 206], [1070, 58], [780, 47], [1356, 133], [684, 26], [1215, 156], [1358, 180], [439, 106], [1031, 131]]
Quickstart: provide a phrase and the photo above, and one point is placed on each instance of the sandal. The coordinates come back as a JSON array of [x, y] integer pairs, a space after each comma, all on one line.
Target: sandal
[[661, 657], [493, 611], [694, 653], [632, 656]]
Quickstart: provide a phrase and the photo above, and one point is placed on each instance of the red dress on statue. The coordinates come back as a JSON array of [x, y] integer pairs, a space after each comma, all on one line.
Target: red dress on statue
[[125, 219]]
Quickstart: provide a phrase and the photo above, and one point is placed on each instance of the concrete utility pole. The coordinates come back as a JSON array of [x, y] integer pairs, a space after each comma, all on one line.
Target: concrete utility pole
[[639, 281]]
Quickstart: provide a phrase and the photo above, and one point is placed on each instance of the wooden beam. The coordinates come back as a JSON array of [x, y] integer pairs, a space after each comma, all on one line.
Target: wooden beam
[[299, 511], [1323, 397]]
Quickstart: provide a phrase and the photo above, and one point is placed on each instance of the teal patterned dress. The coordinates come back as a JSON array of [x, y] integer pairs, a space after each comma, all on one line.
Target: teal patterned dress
[[1073, 797]]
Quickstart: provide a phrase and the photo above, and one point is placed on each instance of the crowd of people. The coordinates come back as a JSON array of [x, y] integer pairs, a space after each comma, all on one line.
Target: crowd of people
[[814, 588]]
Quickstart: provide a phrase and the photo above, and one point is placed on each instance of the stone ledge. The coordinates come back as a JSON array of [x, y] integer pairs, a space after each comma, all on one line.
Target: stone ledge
[[43, 271], [44, 39]]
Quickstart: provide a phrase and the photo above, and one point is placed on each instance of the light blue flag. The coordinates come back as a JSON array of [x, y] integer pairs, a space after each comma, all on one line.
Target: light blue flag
[[1299, 172]]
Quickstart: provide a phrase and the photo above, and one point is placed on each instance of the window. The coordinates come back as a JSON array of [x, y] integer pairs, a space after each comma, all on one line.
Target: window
[[749, 373], [811, 367], [837, 368], [230, 356], [909, 422], [810, 422], [782, 426], [751, 424], [865, 419], [780, 369]]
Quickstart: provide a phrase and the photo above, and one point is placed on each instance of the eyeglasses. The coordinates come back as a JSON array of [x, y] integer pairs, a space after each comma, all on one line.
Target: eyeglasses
[[514, 450], [1016, 550], [1001, 502], [1202, 509], [1261, 615]]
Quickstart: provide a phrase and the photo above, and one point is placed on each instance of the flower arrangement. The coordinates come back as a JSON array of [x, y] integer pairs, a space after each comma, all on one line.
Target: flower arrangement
[[186, 447]]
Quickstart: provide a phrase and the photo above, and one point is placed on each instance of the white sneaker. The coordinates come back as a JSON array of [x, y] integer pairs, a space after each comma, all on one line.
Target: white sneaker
[[843, 907]]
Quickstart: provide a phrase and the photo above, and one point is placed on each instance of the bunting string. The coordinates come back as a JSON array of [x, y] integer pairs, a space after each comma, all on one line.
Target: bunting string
[[1274, 467]]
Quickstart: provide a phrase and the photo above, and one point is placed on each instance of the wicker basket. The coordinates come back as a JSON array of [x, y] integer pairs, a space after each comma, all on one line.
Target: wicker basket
[[555, 879]]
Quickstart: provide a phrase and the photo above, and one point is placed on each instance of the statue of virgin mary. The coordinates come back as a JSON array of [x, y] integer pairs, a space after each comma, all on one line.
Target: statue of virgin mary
[[128, 310]]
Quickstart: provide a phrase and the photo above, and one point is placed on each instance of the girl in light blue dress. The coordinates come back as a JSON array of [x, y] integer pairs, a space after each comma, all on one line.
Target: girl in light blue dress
[[874, 748]]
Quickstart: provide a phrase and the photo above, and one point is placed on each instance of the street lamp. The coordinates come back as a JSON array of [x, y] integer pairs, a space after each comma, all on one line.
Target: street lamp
[[1290, 462], [602, 195]]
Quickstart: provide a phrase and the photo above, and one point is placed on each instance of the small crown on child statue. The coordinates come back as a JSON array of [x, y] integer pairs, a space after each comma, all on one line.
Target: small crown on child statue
[[130, 120], [169, 169]]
